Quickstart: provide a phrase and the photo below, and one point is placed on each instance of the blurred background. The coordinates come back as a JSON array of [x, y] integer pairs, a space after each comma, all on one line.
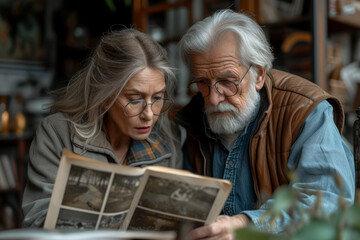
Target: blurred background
[[44, 42]]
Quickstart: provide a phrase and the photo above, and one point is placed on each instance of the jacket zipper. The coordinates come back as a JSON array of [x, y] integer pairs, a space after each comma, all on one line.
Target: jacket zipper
[[203, 155], [256, 184]]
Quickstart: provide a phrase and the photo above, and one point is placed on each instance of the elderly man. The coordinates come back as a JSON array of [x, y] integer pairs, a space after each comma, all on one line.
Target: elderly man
[[251, 124]]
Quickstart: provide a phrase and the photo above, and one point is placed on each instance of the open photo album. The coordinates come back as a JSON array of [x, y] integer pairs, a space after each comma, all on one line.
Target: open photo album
[[90, 194]]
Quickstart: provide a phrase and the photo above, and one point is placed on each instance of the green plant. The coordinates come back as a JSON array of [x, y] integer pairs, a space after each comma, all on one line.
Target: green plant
[[312, 223], [111, 5]]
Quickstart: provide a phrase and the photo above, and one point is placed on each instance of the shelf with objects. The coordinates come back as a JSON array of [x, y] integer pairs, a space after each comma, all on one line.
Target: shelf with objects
[[26, 73], [344, 62], [14, 143], [77, 31], [13, 158], [22, 106], [319, 43], [287, 25], [345, 78], [166, 21]]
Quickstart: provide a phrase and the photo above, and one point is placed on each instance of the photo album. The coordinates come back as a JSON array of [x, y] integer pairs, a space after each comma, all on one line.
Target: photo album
[[94, 195]]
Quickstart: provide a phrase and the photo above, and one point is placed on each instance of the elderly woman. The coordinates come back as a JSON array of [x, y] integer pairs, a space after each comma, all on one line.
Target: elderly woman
[[112, 111]]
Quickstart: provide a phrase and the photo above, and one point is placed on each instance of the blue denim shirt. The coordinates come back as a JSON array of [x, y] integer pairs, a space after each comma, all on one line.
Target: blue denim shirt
[[316, 155], [235, 167]]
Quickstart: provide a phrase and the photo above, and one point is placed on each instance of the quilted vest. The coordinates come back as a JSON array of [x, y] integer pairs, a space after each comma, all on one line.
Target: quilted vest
[[291, 99]]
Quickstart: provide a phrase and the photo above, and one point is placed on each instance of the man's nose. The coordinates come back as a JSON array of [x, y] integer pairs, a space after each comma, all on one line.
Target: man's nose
[[215, 97]]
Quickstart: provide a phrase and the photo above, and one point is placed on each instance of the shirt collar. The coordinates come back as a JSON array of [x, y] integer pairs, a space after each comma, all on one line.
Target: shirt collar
[[155, 146]]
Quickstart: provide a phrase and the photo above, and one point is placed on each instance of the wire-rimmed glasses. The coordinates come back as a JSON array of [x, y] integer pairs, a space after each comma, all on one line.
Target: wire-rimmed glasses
[[224, 87], [136, 107]]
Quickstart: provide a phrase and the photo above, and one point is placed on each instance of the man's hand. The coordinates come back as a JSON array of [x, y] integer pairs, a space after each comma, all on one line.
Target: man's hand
[[221, 229]]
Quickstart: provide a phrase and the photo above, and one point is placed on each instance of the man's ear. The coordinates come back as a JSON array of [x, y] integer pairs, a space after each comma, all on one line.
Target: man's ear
[[107, 103], [260, 80]]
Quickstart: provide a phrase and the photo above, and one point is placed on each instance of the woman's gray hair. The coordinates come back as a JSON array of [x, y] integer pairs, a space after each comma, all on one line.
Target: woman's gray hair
[[253, 45], [118, 57]]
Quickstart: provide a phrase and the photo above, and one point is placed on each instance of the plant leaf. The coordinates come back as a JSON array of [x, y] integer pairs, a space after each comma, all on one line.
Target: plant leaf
[[317, 229], [352, 216], [253, 234], [111, 5], [350, 234]]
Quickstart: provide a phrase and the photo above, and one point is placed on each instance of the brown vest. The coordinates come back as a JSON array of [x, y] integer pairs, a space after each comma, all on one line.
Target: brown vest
[[291, 100]]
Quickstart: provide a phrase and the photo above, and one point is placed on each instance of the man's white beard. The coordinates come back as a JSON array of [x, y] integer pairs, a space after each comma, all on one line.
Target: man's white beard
[[237, 121]]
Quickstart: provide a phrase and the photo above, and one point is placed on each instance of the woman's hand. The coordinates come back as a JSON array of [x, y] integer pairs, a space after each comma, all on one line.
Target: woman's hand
[[221, 229]]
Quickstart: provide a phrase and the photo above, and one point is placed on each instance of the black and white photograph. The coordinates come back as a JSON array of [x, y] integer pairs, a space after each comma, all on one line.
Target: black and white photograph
[[178, 198], [148, 220], [112, 221], [99, 198], [78, 220], [121, 193], [86, 188]]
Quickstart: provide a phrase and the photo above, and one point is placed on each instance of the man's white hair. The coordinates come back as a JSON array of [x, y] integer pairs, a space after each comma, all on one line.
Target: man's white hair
[[253, 45]]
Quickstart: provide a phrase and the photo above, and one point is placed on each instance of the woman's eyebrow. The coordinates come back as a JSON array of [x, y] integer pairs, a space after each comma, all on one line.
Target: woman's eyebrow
[[135, 91], [132, 91], [161, 91]]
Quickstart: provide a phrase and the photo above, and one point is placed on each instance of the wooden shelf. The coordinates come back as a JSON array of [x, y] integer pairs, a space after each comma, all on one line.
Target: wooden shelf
[[141, 11], [346, 23], [298, 22], [16, 146], [14, 137]]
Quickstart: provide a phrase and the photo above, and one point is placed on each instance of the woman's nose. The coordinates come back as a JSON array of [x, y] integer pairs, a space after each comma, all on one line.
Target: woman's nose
[[147, 114]]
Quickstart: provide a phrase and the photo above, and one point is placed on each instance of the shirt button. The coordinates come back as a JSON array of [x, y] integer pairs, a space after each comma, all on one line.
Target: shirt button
[[231, 162], [228, 211]]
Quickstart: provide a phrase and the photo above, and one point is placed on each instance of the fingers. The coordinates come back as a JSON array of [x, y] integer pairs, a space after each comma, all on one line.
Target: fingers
[[201, 232], [221, 229], [216, 230]]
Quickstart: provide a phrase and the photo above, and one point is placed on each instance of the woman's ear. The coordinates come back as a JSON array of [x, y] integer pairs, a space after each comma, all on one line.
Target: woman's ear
[[260, 80]]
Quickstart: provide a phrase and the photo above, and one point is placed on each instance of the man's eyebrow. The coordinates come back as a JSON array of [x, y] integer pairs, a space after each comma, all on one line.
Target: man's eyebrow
[[220, 76], [226, 75], [193, 75]]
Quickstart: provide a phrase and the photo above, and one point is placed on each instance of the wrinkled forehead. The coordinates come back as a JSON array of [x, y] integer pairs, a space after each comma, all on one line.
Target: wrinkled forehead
[[224, 51], [222, 58], [216, 69]]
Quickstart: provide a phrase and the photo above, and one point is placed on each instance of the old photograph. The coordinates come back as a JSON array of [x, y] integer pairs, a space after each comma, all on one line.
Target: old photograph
[[95, 196], [178, 198], [121, 193], [86, 188], [78, 220], [148, 220], [112, 221]]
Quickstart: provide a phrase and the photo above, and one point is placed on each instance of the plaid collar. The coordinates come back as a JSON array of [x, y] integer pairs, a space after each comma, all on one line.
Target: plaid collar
[[155, 146], [152, 148]]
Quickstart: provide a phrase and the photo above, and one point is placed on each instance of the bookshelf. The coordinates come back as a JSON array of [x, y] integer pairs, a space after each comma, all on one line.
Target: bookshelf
[[13, 148], [314, 19], [166, 21]]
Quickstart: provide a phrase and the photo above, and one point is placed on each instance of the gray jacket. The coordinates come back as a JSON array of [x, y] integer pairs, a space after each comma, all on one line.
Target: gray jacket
[[52, 136]]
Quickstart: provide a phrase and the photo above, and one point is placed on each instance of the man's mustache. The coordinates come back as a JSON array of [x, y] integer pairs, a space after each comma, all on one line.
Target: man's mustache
[[221, 107]]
